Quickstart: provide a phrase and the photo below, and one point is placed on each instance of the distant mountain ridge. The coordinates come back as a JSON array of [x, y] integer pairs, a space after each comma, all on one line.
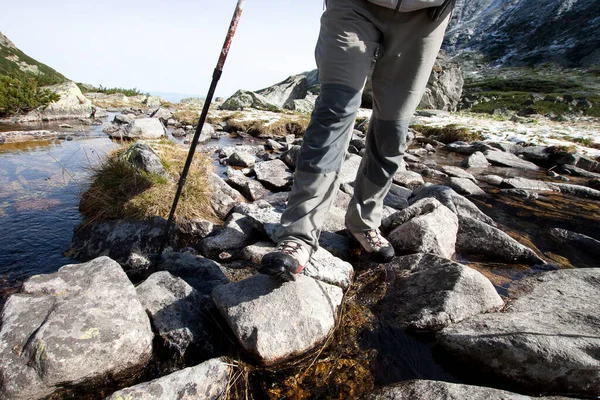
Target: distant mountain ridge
[[14, 61], [527, 32]]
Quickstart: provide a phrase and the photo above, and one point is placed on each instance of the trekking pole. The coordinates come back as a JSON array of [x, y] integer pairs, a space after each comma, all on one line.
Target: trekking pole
[[211, 91]]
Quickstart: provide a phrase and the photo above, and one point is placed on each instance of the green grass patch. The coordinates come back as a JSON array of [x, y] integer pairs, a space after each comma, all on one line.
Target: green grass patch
[[449, 133], [120, 190], [524, 84]]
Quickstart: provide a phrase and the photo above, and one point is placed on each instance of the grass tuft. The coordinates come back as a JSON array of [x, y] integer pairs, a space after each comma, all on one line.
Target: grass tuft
[[449, 133], [121, 191]]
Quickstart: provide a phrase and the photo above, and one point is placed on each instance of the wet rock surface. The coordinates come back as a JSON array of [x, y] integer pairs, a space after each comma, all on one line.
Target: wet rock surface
[[546, 339], [61, 321], [274, 321]]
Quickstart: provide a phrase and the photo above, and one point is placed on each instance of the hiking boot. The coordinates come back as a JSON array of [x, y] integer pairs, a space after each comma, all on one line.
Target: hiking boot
[[288, 259], [379, 249]]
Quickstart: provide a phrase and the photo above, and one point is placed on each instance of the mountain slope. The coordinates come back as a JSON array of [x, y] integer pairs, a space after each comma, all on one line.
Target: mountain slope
[[14, 62], [527, 32]]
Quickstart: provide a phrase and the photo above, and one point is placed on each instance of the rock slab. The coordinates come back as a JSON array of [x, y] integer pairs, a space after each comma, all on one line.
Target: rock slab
[[547, 338], [76, 327], [207, 381], [275, 321]]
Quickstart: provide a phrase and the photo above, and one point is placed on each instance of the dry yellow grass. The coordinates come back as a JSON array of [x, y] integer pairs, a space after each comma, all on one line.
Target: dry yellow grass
[[120, 190]]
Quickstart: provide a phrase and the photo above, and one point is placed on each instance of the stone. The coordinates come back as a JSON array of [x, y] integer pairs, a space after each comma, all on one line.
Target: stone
[[123, 119], [238, 231], [427, 293], [478, 238], [209, 380], [199, 228], [274, 145], [458, 204], [130, 243], [337, 245], [458, 173], [327, 268], [349, 169], [241, 159], [247, 99], [580, 162], [594, 183], [576, 171], [284, 93], [223, 197], [432, 231], [251, 189], [476, 160], [546, 339], [60, 322], [141, 128], [579, 191], [275, 321], [578, 240], [153, 101], [408, 179], [174, 310], [493, 180], [524, 193], [71, 105], [163, 114], [265, 216], [529, 184], [203, 274], [290, 157], [534, 153], [444, 88], [227, 151], [435, 390], [464, 186], [509, 160], [303, 106], [145, 158], [275, 175], [397, 197]]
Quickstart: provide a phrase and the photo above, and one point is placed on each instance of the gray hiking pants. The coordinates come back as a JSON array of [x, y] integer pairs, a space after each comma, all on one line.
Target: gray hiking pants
[[351, 33]]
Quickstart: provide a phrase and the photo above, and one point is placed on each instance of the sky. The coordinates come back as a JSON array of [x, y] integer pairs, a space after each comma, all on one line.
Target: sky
[[166, 46]]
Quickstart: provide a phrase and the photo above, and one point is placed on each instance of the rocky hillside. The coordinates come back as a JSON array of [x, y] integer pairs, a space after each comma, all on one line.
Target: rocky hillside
[[527, 32], [13, 60]]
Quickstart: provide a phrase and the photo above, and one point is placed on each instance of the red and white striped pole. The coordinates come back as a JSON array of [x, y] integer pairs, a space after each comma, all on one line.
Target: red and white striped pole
[[211, 91]]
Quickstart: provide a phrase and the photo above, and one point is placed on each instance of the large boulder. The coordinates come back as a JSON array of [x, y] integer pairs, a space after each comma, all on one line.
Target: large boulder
[[130, 243], [545, 340], [283, 94], [72, 104], [427, 292], [275, 321], [503, 159], [207, 381], [78, 327], [247, 99], [478, 238], [141, 128], [445, 85]]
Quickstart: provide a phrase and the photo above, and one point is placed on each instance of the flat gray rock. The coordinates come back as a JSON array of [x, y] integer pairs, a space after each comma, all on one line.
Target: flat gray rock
[[579, 241], [579, 191], [266, 216], [476, 160], [249, 188], [457, 172], [458, 204], [275, 321], [529, 184], [436, 390], [349, 169], [545, 340], [494, 180], [207, 381], [464, 186], [274, 174], [75, 327], [503, 159], [432, 232], [477, 238], [576, 171], [142, 128], [408, 179], [427, 293]]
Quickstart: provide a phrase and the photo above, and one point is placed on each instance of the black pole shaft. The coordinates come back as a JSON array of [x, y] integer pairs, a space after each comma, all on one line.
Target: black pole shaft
[[211, 91]]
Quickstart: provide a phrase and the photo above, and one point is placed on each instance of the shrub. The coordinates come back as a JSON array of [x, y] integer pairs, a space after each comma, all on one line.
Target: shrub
[[120, 190], [20, 93], [105, 90]]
